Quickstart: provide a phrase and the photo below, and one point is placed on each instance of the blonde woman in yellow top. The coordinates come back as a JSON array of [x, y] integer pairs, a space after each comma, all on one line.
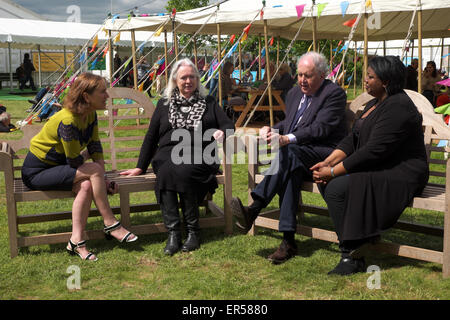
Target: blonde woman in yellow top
[[57, 161]]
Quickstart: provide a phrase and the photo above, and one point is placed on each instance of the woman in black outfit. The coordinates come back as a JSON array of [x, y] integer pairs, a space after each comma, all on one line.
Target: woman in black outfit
[[375, 172], [180, 144]]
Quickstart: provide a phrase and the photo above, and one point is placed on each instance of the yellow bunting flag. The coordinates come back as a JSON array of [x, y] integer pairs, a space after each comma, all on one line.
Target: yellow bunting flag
[[141, 86], [94, 43], [158, 33], [368, 3], [309, 49], [117, 38]]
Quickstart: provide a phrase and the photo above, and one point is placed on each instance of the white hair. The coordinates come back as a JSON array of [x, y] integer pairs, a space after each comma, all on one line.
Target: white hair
[[172, 81], [4, 116], [319, 60]]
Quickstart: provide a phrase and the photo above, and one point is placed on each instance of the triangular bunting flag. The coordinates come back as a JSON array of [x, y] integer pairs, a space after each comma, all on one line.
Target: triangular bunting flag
[[344, 7], [141, 86], [368, 3], [158, 33], [233, 37], [320, 8], [300, 9], [271, 41], [349, 23], [94, 43], [117, 38]]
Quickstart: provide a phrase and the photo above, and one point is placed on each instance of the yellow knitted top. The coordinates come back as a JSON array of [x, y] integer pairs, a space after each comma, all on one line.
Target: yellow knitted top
[[64, 136]]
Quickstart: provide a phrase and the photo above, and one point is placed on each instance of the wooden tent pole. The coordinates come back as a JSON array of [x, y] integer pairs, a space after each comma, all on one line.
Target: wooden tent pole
[[133, 49], [259, 57], [314, 34], [166, 61], [219, 58], [111, 59], [240, 61], [419, 40], [195, 53], [354, 70], [268, 74], [366, 49]]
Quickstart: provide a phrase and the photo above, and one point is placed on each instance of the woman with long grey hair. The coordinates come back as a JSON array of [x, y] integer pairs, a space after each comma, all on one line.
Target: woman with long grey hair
[[182, 166]]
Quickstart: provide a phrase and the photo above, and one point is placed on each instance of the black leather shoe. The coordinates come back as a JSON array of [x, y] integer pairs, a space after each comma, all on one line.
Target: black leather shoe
[[192, 242], [244, 214], [173, 243], [349, 266]]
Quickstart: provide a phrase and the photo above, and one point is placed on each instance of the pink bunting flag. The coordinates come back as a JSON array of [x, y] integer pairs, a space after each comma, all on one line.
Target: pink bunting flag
[[335, 70], [445, 82], [300, 9], [114, 83]]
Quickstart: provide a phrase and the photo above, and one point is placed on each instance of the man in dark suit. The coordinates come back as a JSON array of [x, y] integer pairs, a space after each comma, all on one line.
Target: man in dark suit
[[313, 126]]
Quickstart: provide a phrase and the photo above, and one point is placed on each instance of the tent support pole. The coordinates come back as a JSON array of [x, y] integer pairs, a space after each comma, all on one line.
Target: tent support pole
[[39, 64], [10, 68], [442, 52], [133, 49], [219, 58], [111, 59], [354, 71], [366, 50], [259, 57], [175, 40], [419, 40], [278, 51], [268, 74], [240, 61], [314, 22], [165, 57], [195, 53]]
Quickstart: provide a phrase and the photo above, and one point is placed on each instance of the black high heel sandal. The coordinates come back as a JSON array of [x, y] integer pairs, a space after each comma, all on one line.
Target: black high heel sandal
[[108, 229], [73, 250]]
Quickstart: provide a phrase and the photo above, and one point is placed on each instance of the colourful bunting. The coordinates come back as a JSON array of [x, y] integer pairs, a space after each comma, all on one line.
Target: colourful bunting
[[271, 41], [174, 12], [94, 43], [141, 86], [117, 38], [82, 58], [344, 7], [114, 82], [105, 51], [261, 15], [349, 23], [368, 3], [320, 8], [300, 9], [114, 18], [233, 37], [444, 109], [158, 32], [444, 56]]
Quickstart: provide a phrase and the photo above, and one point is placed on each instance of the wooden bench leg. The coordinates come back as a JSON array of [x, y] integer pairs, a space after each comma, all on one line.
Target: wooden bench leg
[[446, 253], [13, 228], [125, 209]]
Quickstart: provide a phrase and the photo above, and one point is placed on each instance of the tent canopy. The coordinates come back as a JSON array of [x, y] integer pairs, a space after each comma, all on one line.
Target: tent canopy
[[388, 20], [27, 34]]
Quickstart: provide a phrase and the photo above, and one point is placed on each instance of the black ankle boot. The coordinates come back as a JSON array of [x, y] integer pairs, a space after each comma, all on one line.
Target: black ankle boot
[[192, 242], [173, 243]]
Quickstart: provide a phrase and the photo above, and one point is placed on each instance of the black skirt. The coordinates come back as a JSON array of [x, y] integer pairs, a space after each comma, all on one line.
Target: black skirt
[[38, 175]]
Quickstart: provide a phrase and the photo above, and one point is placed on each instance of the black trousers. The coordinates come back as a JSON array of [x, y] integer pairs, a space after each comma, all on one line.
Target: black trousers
[[287, 172]]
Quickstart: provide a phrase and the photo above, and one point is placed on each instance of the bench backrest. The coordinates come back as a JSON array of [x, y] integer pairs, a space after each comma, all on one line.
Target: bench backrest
[[122, 128]]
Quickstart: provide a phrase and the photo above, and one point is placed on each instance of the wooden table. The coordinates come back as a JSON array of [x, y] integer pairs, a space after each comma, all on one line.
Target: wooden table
[[255, 95]]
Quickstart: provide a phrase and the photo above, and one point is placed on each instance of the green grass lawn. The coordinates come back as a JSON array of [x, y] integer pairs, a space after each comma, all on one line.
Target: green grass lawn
[[225, 267]]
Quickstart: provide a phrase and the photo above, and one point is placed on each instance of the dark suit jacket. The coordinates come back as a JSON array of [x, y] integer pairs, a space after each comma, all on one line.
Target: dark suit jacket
[[323, 125]]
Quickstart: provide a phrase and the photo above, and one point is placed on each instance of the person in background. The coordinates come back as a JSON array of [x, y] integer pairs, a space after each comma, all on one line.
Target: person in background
[[429, 78], [374, 173], [5, 122], [283, 81], [184, 109], [28, 68], [411, 75], [58, 156]]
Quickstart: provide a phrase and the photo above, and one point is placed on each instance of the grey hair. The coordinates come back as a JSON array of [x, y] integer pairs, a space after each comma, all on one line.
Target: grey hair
[[319, 60], [4, 116], [172, 81]]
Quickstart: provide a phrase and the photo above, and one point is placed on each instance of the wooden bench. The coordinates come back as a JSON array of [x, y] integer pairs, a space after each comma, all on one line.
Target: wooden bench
[[436, 195], [4, 76], [121, 149]]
